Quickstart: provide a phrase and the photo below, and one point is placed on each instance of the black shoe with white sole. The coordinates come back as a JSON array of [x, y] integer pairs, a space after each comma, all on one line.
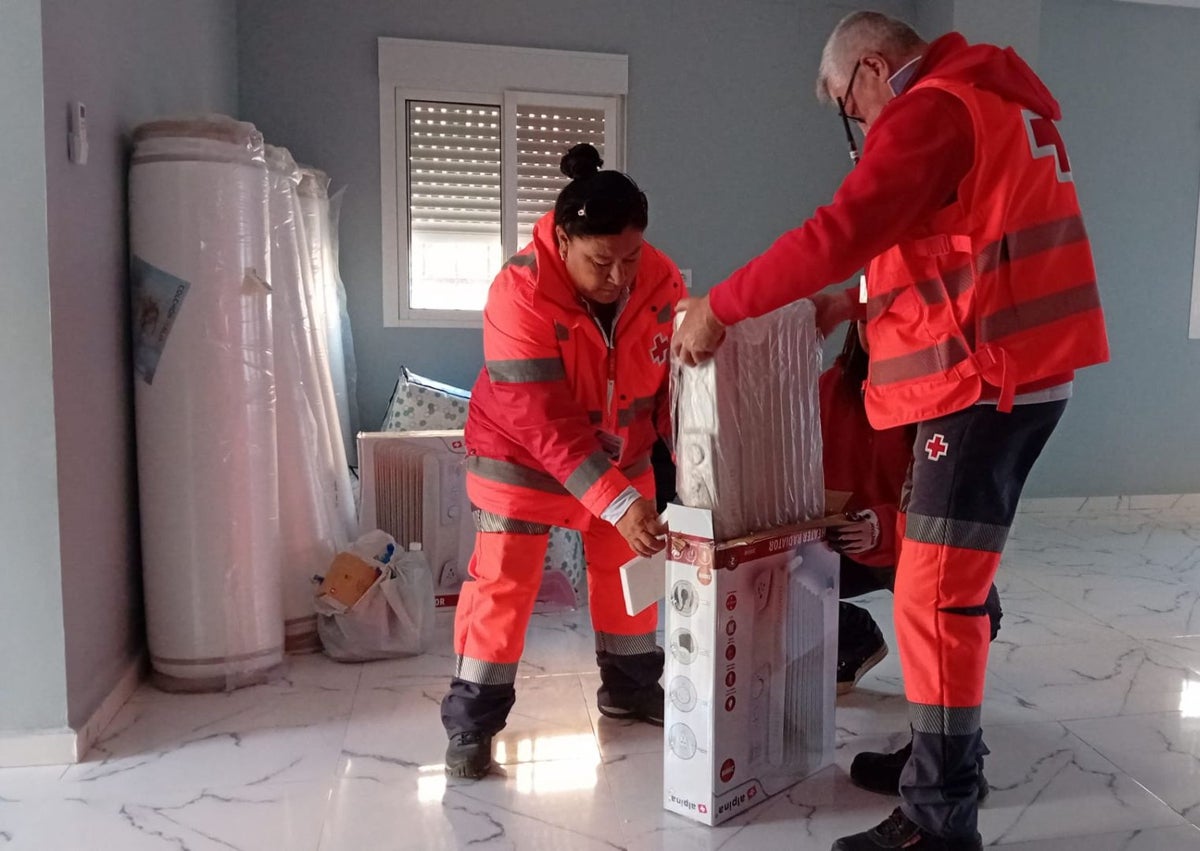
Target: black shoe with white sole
[[860, 645]]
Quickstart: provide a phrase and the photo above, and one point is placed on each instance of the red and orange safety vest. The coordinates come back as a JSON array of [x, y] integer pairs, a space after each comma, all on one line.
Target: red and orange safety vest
[[998, 289]]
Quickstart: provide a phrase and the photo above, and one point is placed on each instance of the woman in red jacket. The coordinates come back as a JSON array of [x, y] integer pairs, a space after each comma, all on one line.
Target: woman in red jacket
[[563, 418]]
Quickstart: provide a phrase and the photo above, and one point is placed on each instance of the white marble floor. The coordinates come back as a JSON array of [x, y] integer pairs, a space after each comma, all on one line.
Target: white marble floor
[[1093, 718]]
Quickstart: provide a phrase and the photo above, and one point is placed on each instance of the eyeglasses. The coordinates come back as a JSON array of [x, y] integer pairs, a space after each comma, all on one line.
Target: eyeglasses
[[846, 119]]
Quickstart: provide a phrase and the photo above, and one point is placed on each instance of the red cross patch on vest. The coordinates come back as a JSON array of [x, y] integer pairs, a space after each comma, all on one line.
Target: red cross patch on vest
[[1045, 141], [659, 349], [936, 447]]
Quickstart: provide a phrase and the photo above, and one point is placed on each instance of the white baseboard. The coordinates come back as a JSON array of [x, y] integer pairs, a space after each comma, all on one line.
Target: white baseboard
[[65, 746], [40, 747]]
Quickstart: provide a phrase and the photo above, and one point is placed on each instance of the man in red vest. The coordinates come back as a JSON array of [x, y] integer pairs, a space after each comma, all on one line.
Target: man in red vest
[[981, 303]]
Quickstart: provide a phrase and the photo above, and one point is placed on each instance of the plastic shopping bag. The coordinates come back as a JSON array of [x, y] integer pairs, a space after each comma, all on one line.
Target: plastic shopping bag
[[393, 618]]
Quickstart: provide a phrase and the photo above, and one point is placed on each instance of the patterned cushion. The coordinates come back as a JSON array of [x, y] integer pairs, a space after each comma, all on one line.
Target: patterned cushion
[[565, 553], [422, 404]]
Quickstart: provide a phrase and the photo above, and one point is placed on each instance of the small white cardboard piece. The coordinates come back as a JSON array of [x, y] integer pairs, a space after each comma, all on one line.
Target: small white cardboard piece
[[642, 581]]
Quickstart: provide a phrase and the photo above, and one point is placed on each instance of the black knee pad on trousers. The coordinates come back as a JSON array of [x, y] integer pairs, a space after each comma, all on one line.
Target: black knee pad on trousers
[[630, 674], [994, 612], [473, 708]]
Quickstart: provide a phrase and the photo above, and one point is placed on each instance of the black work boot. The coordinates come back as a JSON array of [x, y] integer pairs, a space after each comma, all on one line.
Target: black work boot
[[629, 686], [896, 831], [469, 755], [644, 704], [880, 772], [860, 645]]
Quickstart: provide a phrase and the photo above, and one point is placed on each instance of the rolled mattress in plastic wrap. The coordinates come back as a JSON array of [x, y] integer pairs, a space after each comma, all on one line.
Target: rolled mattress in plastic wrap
[[205, 403], [316, 513], [330, 297], [748, 426]]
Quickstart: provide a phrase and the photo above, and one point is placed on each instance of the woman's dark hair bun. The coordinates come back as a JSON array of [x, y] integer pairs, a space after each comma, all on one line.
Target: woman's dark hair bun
[[581, 161], [595, 202]]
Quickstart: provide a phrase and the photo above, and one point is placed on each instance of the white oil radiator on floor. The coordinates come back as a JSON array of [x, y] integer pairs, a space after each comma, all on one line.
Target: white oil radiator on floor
[[414, 488]]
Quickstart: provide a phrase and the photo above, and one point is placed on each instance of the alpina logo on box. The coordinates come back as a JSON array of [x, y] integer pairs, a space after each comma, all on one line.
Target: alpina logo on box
[[685, 803], [732, 804]]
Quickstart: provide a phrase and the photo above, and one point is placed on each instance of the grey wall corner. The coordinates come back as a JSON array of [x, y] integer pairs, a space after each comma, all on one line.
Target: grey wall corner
[[31, 632]]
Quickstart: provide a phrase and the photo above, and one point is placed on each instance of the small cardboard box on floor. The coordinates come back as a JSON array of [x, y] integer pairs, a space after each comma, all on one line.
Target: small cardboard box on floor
[[751, 637]]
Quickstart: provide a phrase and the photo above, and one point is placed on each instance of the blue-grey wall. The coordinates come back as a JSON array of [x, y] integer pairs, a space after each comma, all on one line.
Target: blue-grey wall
[[934, 17], [1011, 23], [1126, 75], [31, 631], [129, 61], [724, 131]]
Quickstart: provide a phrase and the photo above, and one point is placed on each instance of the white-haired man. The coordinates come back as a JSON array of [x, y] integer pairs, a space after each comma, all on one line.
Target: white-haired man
[[981, 304]]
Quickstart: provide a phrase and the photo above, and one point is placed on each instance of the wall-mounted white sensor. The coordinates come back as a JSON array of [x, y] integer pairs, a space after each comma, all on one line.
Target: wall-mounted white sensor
[[77, 141]]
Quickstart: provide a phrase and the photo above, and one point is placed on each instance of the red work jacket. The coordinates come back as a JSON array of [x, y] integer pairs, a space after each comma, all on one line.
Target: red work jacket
[[563, 417]]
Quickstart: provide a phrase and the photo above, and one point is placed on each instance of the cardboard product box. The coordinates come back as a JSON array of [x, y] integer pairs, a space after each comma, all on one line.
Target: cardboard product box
[[751, 665]]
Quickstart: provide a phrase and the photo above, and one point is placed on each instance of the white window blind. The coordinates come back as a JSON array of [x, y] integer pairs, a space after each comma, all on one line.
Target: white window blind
[[454, 215], [540, 128], [454, 167], [544, 134], [479, 178]]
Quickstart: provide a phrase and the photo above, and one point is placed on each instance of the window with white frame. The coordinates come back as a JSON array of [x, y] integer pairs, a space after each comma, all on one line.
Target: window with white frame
[[470, 138]]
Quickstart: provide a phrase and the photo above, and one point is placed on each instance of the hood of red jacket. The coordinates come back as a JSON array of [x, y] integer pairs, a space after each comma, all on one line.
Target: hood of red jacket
[[551, 276], [985, 66]]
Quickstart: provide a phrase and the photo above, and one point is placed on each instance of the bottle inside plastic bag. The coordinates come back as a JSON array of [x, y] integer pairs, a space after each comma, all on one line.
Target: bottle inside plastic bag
[[414, 559], [377, 545]]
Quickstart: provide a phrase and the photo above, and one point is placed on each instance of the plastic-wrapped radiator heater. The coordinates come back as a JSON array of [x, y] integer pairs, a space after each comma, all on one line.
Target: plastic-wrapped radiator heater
[[748, 426]]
